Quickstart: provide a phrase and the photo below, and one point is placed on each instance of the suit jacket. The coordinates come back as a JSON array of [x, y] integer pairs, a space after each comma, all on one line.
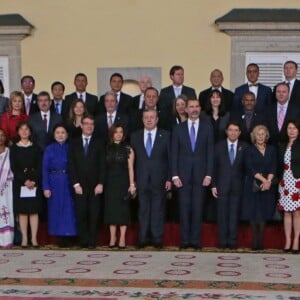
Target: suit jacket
[[167, 95], [263, 99], [3, 105], [292, 113], [239, 117], [135, 102], [295, 93], [192, 167], [295, 158], [101, 125], [124, 104], [229, 178], [88, 170], [227, 96], [33, 105], [91, 102], [39, 134], [153, 171], [64, 110]]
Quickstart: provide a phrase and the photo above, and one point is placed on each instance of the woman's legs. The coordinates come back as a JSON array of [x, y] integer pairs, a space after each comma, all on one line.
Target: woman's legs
[[123, 229], [113, 235], [34, 224], [287, 224], [23, 220], [296, 227]]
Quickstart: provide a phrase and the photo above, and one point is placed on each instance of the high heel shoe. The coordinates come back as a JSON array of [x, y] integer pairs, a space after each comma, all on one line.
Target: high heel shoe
[[286, 250], [122, 247], [295, 251], [111, 246]]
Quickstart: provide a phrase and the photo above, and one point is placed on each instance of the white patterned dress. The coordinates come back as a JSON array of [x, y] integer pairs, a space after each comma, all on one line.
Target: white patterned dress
[[289, 187]]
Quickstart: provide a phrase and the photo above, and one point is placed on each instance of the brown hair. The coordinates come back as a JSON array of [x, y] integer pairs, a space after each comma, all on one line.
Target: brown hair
[[112, 130]]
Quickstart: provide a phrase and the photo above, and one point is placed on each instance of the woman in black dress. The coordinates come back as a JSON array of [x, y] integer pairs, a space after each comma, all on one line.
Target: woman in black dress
[[26, 160], [217, 115], [119, 185], [76, 113], [259, 200]]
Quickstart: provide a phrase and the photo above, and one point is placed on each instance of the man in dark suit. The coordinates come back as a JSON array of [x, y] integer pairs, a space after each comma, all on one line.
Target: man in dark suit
[[124, 101], [112, 116], [290, 69], [58, 103], [151, 146], [43, 121], [138, 101], [30, 99], [87, 168], [169, 93], [192, 169], [248, 118], [151, 102], [216, 80], [280, 113], [228, 183], [90, 101], [263, 94]]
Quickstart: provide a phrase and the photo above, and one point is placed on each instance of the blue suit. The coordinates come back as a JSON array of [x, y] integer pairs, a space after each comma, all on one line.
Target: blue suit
[[191, 167], [229, 180], [263, 99], [151, 175]]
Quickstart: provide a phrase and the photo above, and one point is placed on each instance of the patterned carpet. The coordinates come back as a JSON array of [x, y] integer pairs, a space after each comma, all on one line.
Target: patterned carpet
[[169, 275]]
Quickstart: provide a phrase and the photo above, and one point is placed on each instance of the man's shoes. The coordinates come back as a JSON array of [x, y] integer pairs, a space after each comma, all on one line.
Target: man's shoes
[[195, 247], [141, 246], [184, 246], [157, 246], [92, 247]]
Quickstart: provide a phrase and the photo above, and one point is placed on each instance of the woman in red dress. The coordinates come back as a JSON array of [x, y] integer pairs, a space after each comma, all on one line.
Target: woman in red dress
[[15, 114]]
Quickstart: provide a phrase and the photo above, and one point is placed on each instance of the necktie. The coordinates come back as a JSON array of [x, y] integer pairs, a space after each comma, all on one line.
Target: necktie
[[27, 106], [231, 154], [45, 121], [193, 136], [81, 97], [248, 119], [110, 121], [280, 117], [86, 145], [57, 108], [149, 144]]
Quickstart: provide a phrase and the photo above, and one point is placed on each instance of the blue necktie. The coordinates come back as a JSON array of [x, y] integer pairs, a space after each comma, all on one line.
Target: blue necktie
[[193, 136], [57, 108], [231, 154], [149, 144], [86, 145]]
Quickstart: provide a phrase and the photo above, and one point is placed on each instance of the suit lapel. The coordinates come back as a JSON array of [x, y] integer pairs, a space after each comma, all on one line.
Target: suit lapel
[[187, 136]]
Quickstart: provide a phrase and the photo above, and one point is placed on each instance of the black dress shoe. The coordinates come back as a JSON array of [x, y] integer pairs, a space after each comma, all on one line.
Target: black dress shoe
[[195, 247], [157, 246], [141, 246], [184, 246]]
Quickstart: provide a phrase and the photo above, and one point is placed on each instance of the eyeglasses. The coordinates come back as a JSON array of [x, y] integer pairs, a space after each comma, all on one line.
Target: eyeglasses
[[88, 123]]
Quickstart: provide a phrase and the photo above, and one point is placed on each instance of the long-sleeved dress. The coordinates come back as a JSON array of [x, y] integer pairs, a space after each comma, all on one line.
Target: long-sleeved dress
[[259, 206], [25, 163], [61, 210]]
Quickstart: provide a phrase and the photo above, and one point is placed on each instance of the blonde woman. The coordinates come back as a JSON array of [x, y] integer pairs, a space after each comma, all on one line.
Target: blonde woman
[[260, 192]]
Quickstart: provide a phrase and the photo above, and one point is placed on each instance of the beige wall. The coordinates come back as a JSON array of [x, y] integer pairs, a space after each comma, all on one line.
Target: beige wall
[[73, 36]]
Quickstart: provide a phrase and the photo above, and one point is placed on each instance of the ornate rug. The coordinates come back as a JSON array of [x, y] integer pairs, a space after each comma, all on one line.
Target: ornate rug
[[169, 275]]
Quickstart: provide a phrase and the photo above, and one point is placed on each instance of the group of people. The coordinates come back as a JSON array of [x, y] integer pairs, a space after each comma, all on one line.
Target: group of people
[[238, 149]]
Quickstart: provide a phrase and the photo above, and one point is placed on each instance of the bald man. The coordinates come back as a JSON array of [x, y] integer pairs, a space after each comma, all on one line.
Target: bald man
[[216, 80]]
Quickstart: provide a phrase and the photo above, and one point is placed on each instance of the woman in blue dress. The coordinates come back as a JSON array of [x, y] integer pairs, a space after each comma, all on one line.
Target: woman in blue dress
[[259, 201], [57, 188]]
